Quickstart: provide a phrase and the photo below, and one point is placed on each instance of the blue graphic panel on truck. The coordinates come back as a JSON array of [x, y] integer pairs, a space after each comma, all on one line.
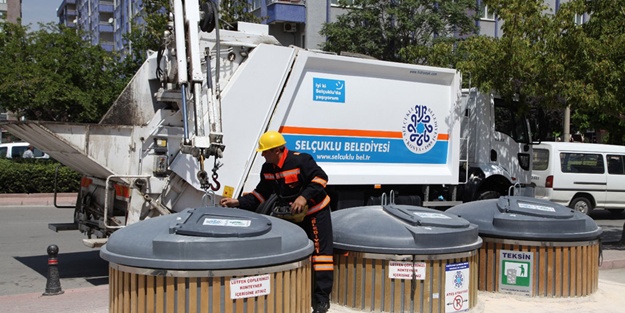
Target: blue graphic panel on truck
[[364, 150]]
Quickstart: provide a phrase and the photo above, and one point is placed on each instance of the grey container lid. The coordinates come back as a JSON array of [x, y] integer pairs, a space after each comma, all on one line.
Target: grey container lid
[[210, 238], [402, 229], [526, 218]]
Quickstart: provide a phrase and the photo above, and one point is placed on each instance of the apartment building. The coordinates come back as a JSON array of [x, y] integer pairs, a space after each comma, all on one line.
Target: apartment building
[[10, 10], [104, 21]]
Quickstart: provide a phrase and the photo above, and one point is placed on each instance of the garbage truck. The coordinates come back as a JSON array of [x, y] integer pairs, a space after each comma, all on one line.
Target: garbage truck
[[184, 131]]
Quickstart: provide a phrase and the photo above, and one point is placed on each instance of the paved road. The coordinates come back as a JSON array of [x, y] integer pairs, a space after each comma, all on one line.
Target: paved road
[[24, 238]]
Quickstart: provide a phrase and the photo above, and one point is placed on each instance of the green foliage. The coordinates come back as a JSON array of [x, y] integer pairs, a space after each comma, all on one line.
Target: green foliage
[[53, 74], [147, 29], [411, 31], [596, 50], [149, 25], [549, 61], [36, 176], [232, 11], [513, 65]]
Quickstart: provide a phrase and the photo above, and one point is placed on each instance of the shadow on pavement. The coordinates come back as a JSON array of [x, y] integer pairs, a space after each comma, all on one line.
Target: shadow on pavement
[[87, 265], [611, 234]]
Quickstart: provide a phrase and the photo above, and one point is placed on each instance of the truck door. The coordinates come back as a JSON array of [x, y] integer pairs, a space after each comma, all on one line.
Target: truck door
[[510, 146]]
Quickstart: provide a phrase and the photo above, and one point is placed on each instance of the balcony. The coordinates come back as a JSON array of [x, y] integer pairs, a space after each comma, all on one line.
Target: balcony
[[106, 8], [104, 27], [293, 11]]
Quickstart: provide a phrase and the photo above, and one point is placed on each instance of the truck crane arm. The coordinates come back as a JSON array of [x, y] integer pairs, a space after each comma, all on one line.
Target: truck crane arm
[[199, 96]]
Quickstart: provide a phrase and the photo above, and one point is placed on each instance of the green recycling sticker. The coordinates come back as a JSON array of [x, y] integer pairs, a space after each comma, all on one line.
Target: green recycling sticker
[[515, 275]]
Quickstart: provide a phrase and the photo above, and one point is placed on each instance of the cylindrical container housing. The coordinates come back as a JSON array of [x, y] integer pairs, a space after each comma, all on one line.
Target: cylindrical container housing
[[209, 260], [534, 247], [399, 258]]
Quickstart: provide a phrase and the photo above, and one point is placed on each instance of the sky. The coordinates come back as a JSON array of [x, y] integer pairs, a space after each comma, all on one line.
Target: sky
[[34, 11]]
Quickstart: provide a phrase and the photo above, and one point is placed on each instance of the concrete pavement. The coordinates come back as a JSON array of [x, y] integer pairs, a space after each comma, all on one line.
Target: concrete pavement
[[608, 298]]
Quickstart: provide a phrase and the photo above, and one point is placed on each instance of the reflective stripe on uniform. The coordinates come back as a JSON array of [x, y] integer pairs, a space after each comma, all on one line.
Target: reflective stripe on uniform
[[258, 196], [323, 267], [319, 206], [322, 258], [323, 262], [320, 181], [287, 173]]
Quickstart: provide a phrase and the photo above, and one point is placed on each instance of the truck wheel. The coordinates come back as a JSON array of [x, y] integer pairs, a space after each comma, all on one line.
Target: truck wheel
[[491, 194], [581, 204]]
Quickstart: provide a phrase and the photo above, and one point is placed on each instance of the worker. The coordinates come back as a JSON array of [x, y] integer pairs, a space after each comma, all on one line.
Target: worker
[[300, 184], [28, 153]]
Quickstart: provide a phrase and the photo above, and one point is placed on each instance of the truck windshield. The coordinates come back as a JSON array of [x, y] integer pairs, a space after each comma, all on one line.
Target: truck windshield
[[507, 121]]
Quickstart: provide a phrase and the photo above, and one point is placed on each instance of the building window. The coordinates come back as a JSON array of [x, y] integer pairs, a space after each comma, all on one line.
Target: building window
[[3, 1], [486, 13], [256, 4]]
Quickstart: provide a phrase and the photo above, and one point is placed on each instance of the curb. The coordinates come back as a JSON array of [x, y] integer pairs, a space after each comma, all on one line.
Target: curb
[[38, 199], [612, 264]]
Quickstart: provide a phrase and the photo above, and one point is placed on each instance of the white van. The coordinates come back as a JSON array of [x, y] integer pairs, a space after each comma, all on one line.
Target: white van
[[582, 176], [16, 150]]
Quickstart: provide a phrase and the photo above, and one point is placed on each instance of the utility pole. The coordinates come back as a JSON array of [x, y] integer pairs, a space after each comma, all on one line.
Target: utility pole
[[567, 124]]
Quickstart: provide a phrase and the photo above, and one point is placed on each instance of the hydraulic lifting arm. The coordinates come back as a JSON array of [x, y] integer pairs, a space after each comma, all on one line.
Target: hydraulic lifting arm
[[199, 96]]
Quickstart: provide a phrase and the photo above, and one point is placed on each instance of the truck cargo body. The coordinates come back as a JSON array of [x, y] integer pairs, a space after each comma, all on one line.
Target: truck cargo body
[[373, 126]]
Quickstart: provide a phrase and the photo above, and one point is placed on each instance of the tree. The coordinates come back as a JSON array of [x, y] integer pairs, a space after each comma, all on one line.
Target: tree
[[550, 61], [598, 62], [233, 11], [53, 74], [514, 65], [410, 31], [146, 33], [150, 24]]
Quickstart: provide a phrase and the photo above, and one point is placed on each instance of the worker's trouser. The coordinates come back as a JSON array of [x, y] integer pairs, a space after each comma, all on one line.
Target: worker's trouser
[[318, 227]]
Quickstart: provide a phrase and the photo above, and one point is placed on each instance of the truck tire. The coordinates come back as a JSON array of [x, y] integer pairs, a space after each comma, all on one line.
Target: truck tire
[[581, 204]]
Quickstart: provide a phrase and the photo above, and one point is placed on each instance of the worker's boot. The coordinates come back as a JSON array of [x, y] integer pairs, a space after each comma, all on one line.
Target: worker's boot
[[321, 307]]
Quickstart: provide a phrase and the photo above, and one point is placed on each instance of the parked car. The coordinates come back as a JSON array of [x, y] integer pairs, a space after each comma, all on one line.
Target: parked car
[[16, 150], [582, 176]]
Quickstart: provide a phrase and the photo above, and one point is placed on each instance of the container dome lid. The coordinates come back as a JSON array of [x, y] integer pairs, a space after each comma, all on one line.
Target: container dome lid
[[526, 218], [209, 238], [402, 229]]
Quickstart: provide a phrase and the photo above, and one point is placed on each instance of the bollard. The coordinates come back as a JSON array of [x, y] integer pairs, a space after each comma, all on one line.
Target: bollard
[[53, 283]]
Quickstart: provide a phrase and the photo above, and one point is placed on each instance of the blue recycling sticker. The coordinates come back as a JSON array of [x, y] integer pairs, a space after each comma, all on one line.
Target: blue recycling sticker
[[328, 90]]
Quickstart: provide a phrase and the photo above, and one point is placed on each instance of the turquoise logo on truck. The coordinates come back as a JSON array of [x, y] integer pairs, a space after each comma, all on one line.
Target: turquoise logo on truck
[[420, 130], [328, 90]]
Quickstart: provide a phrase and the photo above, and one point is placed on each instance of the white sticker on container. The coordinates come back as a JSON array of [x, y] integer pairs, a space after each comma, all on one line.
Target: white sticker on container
[[406, 270], [536, 207], [248, 287], [225, 222], [431, 215]]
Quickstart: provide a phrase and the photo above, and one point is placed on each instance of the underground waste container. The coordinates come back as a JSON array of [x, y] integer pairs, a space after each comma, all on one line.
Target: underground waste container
[[209, 259], [534, 247], [401, 258]]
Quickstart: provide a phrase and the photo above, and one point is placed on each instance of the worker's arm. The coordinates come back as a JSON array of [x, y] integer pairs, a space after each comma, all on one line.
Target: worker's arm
[[261, 193], [314, 191]]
